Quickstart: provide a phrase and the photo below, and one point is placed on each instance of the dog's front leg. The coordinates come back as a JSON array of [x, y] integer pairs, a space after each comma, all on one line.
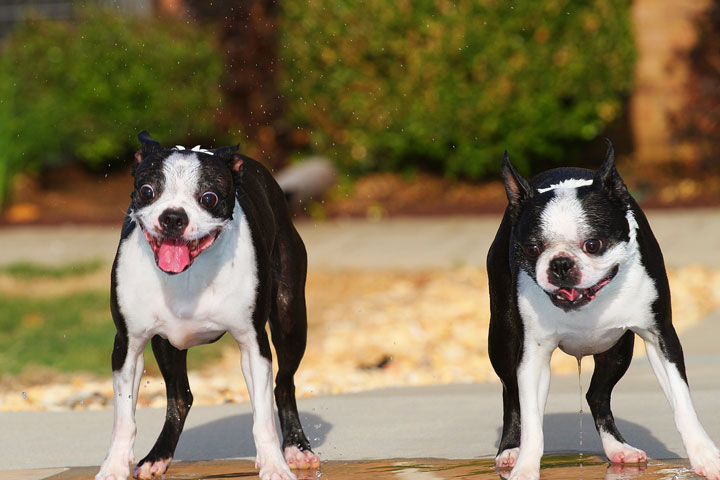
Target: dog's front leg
[[533, 384], [126, 384], [257, 371], [669, 367]]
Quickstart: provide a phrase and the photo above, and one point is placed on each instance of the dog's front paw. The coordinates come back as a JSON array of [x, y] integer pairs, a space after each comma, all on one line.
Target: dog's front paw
[[273, 467], [705, 460], [301, 459], [114, 469], [507, 458], [147, 468], [624, 453], [524, 472], [276, 472]]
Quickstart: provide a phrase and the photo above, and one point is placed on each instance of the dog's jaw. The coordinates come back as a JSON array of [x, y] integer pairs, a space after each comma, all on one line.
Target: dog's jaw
[[575, 298], [175, 255]]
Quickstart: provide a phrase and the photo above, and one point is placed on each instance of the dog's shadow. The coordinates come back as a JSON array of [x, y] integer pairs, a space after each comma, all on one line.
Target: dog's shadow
[[231, 437], [562, 435]]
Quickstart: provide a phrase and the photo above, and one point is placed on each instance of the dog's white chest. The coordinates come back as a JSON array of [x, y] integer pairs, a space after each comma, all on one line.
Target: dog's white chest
[[624, 304], [215, 295]]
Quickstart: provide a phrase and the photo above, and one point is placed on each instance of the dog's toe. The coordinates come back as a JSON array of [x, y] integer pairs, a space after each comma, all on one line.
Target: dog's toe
[[276, 475], [118, 473], [151, 468], [301, 459], [115, 467], [628, 455], [507, 458], [620, 452], [273, 466], [705, 460]]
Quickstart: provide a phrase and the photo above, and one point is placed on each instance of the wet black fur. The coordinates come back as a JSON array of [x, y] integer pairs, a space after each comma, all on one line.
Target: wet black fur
[[281, 267], [605, 202]]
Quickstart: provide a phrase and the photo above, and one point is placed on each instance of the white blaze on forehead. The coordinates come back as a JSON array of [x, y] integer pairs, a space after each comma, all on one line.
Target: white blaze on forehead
[[196, 148], [563, 218], [569, 183], [182, 173]]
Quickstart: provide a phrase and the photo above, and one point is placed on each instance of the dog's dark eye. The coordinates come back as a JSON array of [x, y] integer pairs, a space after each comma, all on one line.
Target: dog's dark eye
[[532, 250], [208, 199], [147, 192], [592, 246]]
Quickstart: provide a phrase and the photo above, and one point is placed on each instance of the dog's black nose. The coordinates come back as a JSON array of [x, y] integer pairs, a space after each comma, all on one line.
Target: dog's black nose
[[563, 272], [173, 221]]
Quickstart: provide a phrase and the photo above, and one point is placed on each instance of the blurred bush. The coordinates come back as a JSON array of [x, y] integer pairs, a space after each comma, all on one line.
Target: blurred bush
[[82, 90], [448, 85]]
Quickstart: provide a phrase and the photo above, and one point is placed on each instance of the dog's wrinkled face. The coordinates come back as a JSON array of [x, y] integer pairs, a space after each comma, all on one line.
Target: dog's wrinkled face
[[572, 237], [183, 199]]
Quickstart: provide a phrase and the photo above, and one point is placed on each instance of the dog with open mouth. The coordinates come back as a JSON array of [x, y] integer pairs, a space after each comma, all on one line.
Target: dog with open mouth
[[207, 248], [575, 265]]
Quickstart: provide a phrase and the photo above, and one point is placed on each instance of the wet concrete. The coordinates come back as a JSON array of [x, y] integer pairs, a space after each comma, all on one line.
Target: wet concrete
[[556, 467]]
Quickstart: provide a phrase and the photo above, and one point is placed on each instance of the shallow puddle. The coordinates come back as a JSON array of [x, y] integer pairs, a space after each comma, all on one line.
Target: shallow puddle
[[552, 467]]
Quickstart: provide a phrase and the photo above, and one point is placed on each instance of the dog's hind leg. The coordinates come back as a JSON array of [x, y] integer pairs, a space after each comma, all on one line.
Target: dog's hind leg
[[288, 326], [505, 356], [505, 338], [173, 366], [610, 366], [509, 446], [666, 358], [257, 369]]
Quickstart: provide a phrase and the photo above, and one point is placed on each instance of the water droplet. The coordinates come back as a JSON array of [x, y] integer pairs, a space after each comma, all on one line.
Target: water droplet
[[579, 360], [680, 472]]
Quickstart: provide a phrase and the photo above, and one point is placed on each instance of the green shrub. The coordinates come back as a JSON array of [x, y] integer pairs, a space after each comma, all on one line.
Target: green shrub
[[82, 90], [448, 85]]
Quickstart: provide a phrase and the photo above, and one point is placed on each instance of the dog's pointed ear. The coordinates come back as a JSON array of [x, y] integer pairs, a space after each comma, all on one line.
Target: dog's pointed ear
[[147, 146], [517, 188], [608, 177], [230, 156]]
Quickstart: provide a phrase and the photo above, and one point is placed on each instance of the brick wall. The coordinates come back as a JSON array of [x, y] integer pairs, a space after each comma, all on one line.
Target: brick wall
[[665, 31]]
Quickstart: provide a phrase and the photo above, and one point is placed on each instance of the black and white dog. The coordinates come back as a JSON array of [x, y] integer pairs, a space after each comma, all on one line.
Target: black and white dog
[[207, 247], [575, 265]]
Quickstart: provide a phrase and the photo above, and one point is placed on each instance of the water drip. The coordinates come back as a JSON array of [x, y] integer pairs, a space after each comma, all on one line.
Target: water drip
[[579, 362]]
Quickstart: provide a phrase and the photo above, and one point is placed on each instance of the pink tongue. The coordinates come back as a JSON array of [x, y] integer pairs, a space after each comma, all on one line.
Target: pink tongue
[[571, 294], [173, 256]]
